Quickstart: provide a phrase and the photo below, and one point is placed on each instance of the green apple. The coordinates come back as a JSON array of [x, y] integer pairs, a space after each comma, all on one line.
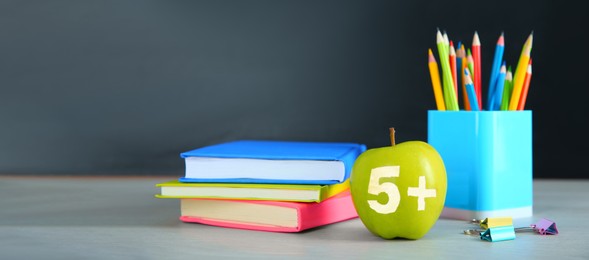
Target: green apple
[[399, 190]]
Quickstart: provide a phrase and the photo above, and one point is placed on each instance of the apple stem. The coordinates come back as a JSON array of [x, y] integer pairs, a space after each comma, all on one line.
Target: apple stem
[[392, 132]]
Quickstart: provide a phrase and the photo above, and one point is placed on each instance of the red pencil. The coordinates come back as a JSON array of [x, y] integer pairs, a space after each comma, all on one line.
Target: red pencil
[[525, 87], [453, 67], [476, 55]]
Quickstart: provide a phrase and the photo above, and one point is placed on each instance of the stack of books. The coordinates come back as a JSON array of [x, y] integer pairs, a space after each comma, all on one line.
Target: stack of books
[[266, 185]]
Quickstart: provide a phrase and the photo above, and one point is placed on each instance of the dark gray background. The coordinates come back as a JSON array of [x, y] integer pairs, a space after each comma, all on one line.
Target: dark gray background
[[122, 87]]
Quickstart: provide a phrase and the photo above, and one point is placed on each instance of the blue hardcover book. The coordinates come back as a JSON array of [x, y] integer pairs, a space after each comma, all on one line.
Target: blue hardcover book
[[254, 161]]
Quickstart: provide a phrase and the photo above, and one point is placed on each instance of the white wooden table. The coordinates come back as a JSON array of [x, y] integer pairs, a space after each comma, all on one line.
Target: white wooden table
[[119, 218]]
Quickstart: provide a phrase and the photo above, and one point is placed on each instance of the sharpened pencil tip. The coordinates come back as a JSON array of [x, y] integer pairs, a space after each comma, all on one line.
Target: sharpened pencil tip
[[501, 40], [445, 38], [475, 39], [430, 56], [439, 37], [509, 75]]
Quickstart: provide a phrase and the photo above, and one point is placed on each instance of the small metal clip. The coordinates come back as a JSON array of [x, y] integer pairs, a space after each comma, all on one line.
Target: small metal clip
[[473, 232]]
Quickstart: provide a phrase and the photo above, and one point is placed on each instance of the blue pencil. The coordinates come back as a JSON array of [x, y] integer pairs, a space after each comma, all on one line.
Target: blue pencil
[[495, 70], [459, 60], [498, 95], [472, 96]]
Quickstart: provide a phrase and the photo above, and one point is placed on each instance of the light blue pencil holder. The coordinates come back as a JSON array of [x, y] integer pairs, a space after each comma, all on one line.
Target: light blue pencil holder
[[488, 159]]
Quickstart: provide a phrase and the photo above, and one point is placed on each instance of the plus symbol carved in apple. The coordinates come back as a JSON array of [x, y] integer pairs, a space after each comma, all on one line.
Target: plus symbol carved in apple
[[421, 193]]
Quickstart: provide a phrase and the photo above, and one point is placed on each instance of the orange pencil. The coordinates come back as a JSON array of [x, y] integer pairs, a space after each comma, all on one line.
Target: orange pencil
[[453, 67], [435, 76], [522, 99], [476, 56], [461, 54]]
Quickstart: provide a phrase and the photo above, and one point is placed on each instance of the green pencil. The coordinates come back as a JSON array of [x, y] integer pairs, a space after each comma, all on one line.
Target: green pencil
[[446, 42], [507, 89], [451, 102]]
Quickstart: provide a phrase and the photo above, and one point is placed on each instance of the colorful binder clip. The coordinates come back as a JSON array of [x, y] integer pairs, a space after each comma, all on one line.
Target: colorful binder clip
[[496, 234], [545, 227], [542, 227], [493, 222]]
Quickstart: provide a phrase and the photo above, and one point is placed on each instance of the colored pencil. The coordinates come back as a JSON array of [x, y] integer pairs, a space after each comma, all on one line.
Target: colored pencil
[[446, 42], [447, 51], [476, 55], [443, 54], [495, 70], [520, 73], [451, 103], [469, 61], [461, 65], [495, 102], [452, 60], [471, 91], [461, 74], [507, 89], [524, 95], [435, 76]]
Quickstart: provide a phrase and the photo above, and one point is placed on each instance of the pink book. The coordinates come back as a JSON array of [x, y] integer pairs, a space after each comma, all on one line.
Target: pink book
[[276, 216]]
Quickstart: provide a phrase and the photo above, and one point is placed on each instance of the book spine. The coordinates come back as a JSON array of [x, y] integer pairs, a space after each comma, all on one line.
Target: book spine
[[349, 158]]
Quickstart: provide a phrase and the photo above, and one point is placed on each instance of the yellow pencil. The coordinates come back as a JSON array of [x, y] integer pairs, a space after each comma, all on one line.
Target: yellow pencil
[[520, 72], [435, 75]]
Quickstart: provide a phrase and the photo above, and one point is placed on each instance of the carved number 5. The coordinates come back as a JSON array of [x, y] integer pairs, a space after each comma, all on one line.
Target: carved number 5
[[375, 187]]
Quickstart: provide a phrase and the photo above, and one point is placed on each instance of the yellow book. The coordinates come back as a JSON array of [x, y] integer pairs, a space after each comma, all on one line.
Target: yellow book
[[250, 191]]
